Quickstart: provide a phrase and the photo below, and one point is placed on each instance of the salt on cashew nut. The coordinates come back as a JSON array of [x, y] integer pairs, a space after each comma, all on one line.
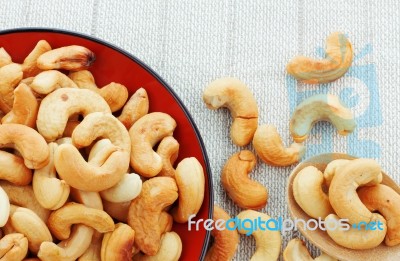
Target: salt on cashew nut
[[342, 192], [320, 107], [117, 245], [268, 242], [126, 189], [5, 207], [71, 58], [168, 150], [13, 169], [13, 247], [10, 76], [5, 58], [309, 195], [296, 250], [58, 106], [270, 148], [189, 178], [29, 66], [246, 193], [50, 191], [25, 140], [237, 97], [338, 59], [355, 238], [386, 201], [136, 107], [145, 210], [225, 241], [48, 81], [145, 133], [170, 250], [118, 211]]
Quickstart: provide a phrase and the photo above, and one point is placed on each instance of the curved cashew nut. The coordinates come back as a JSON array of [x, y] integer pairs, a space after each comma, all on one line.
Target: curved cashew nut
[[118, 211], [342, 192], [71, 58], [246, 193], [145, 133], [136, 107], [25, 140], [145, 210], [5, 208], [48, 81], [13, 169], [189, 178], [170, 250], [114, 94], [168, 150], [10, 76], [339, 56], [5, 58], [59, 105], [118, 244], [320, 107], [13, 247], [268, 242], [331, 168], [93, 253], [50, 192], [308, 193], [126, 189], [296, 250], [270, 148], [29, 66], [387, 201], [225, 241], [355, 238], [237, 97]]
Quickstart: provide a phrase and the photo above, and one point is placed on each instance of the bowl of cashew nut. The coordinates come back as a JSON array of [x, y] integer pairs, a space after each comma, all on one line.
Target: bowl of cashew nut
[[99, 159]]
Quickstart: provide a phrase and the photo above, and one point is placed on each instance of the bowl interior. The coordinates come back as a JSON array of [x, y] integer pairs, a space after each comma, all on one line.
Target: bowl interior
[[113, 64], [321, 238]]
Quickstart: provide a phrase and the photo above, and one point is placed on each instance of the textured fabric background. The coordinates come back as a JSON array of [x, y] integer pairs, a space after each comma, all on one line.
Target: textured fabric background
[[190, 43]]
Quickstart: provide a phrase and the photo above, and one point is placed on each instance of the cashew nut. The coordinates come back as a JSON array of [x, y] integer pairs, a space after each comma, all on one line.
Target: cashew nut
[[5, 58], [320, 107], [29, 66], [118, 244], [93, 253], [270, 148], [118, 211], [71, 58], [338, 59], [59, 105], [325, 257], [189, 178], [12, 169], [308, 193], [342, 192], [145, 210], [168, 150], [297, 251], [331, 168], [10, 76], [145, 133], [225, 241], [25, 140], [50, 192], [48, 81], [268, 242], [237, 97], [136, 107], [126, 189], [13, 247], [355, 238], [246, 193], [5, 208], [170, 250], [387, 201]]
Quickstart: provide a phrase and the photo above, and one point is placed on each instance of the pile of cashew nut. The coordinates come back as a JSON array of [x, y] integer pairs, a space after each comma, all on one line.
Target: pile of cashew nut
[[77, 181]]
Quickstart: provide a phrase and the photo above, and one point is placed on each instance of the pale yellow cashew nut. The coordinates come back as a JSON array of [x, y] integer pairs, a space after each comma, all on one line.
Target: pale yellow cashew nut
[[136, 107], [10, 76], [29, 66], [13, 247], [48, 81], [168, 150], [13, 169], [126, 189], [170, 250], [4, 206]]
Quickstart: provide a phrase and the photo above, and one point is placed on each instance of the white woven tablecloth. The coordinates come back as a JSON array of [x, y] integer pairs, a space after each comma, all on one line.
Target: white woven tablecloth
[[190, 43]]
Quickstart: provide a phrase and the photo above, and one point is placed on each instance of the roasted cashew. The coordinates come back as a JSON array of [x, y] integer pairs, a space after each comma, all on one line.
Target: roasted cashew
[[93, 253], [268, 242], [297, 251], [13, 247], [320, 107], [331, 168], [71, 58], [50, 192], [29, 66], [10, 76], [114, 94], [26, 222], [355, 238], [13, 169], [308, 193], [5, 208], [145, 133], [338, 59], [387, 201], [246, 193], [342, 192], [270, 148], [5, 58], [59, 105], [170, 250], [25, 140], [237, 97], [48, 81], [118, 244], [136, 107], [145, 210], [189, 178], [225, 241], [126, 189], [168, 150]]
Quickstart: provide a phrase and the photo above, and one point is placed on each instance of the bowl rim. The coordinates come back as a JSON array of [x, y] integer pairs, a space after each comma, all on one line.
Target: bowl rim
[[162, 81]]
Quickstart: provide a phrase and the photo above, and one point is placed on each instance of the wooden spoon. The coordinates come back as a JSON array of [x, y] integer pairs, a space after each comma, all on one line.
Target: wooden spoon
[[320, 238]]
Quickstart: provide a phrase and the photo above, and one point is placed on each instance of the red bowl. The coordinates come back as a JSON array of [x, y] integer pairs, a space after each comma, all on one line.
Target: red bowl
[[114, 64]]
